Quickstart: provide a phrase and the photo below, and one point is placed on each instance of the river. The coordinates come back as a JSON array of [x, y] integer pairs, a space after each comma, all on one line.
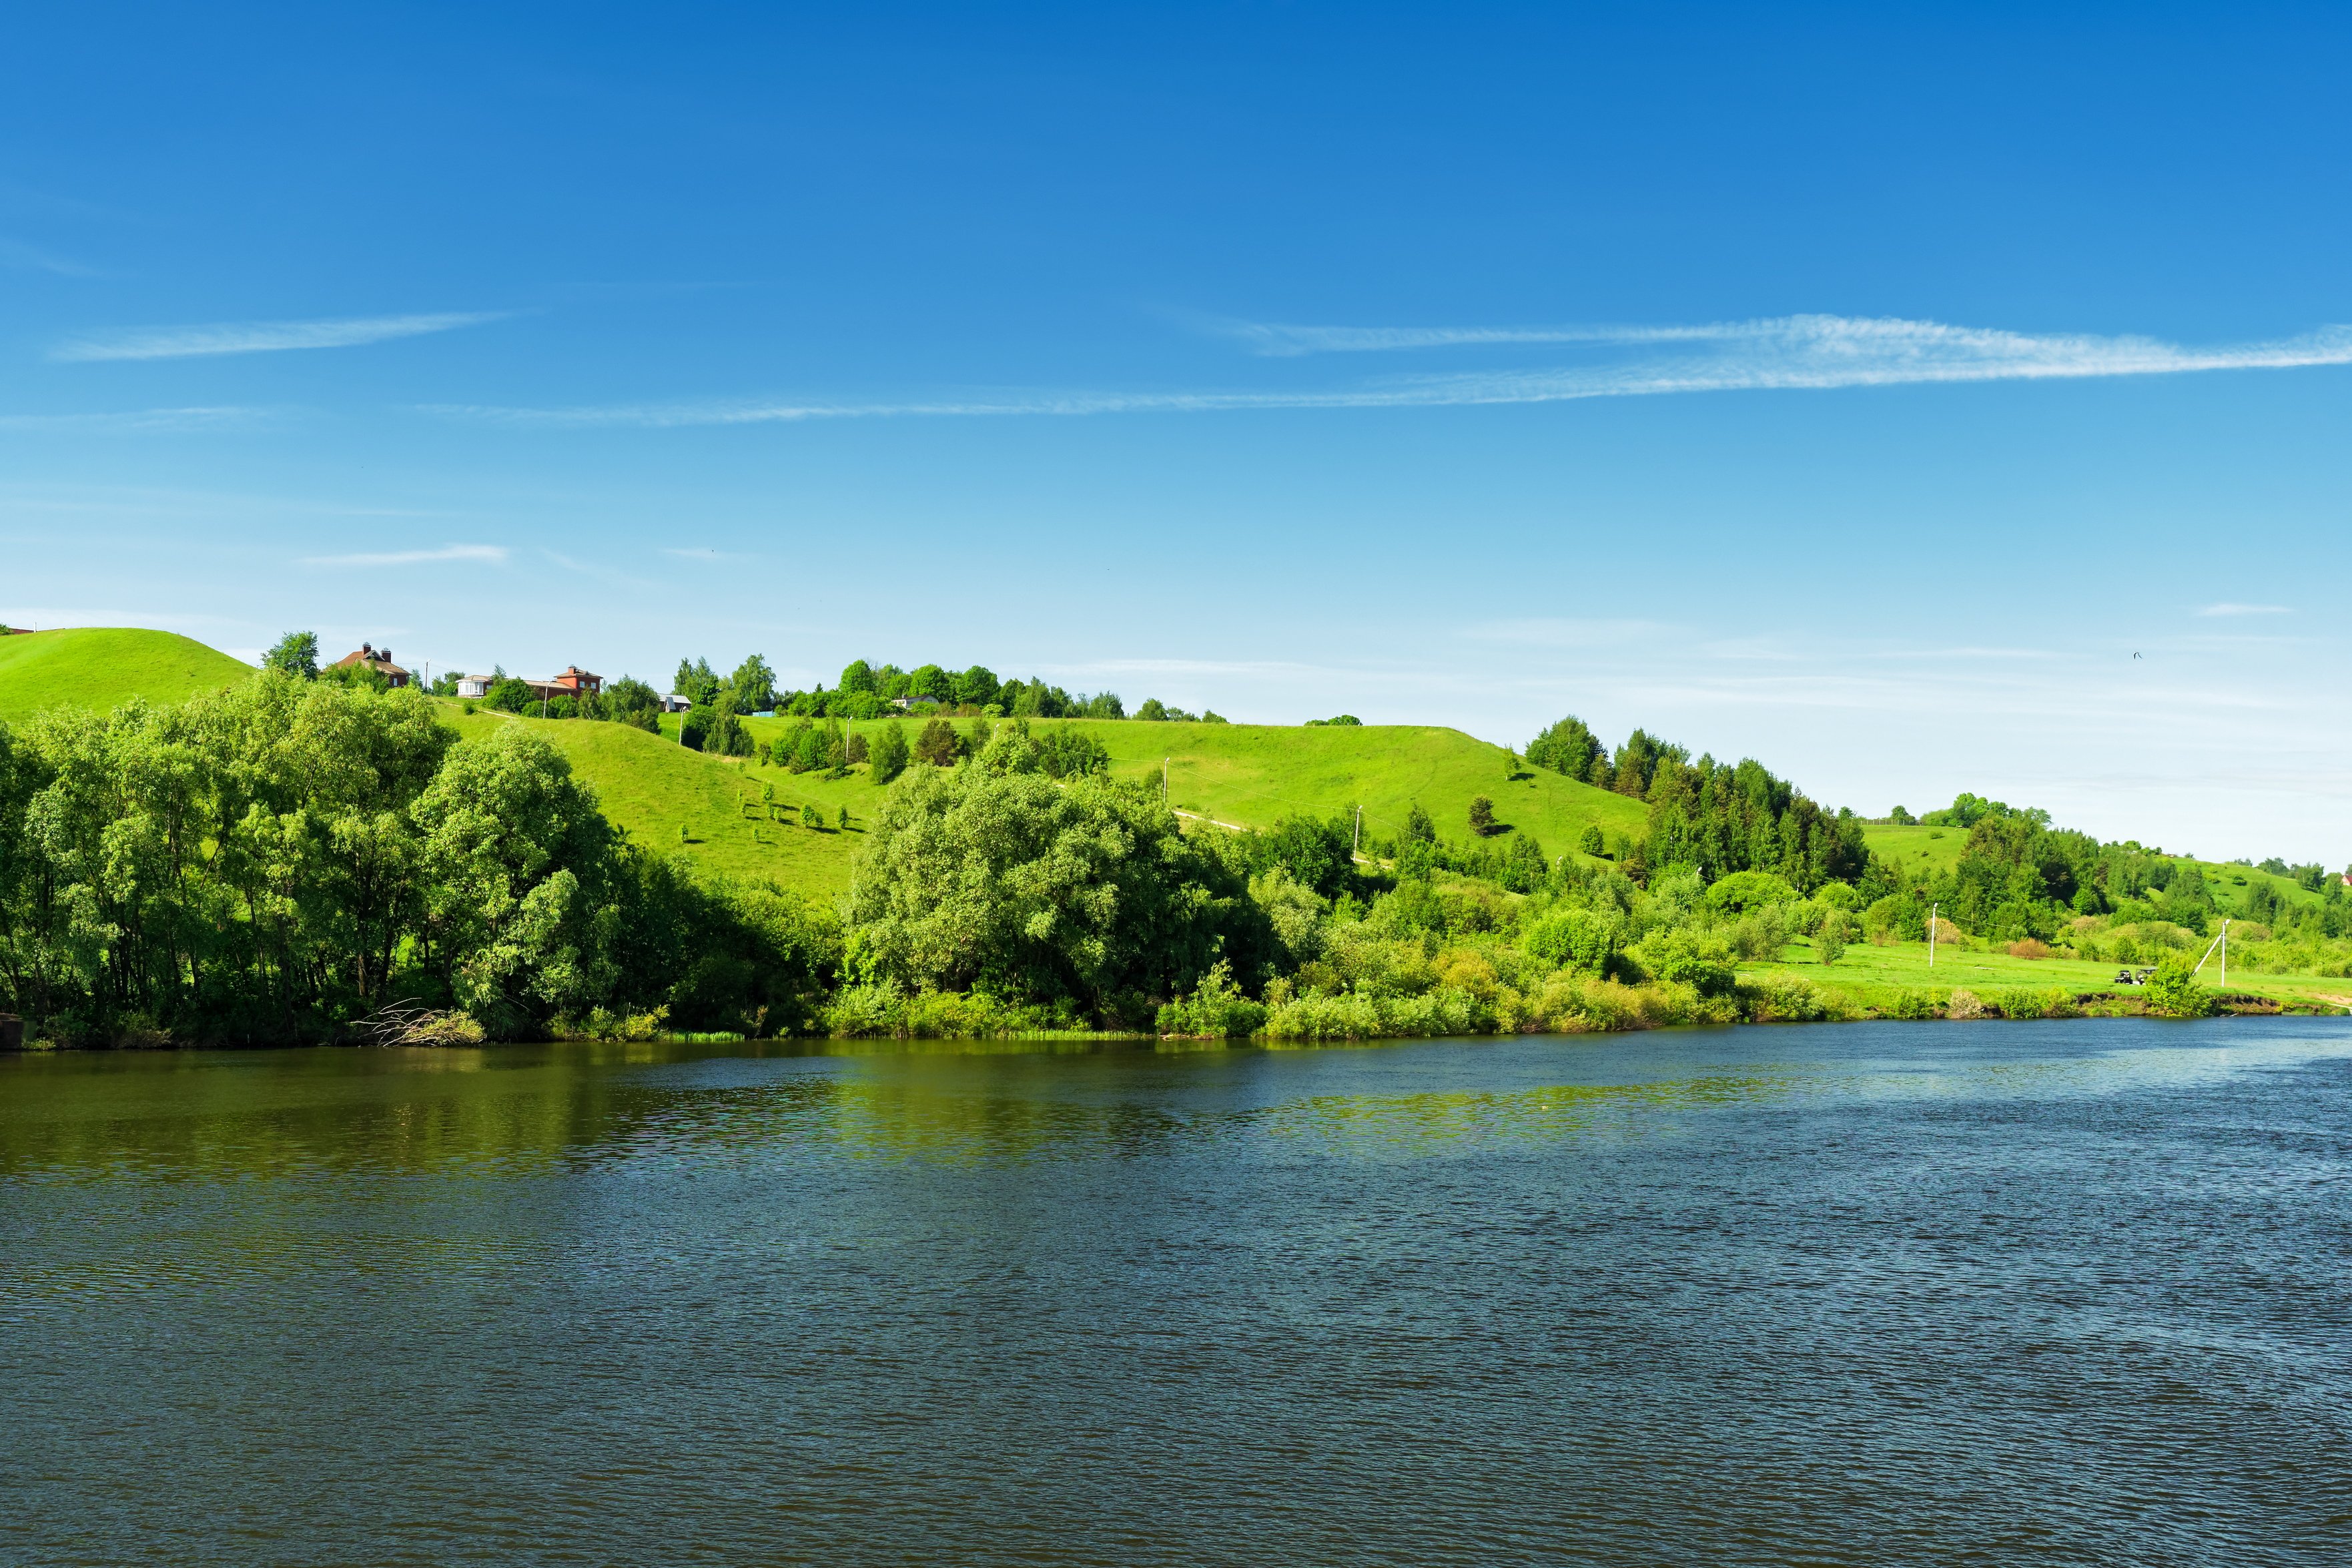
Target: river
[[2063, 1292]]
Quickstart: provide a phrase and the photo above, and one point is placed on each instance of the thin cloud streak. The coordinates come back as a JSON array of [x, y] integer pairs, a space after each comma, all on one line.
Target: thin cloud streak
[[33, 259], [2228, 609], [1793, 353], [262, 337], [138, 421], [493, 554]]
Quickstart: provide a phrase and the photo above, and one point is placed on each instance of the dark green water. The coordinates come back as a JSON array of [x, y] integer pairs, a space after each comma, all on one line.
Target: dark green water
[[2073, 1292]]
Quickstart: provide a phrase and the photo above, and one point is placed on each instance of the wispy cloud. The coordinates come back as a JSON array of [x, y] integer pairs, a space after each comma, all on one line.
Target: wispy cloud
[[1783, 353], [261, 337], [139, 421], [26, 258], [1560, 632], [2230, 609], [492, 554]]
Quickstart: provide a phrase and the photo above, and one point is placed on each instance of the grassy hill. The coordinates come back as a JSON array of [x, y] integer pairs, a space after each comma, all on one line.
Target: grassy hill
[[1244, 775], [100, 667], [1247, 775], [667, 797]]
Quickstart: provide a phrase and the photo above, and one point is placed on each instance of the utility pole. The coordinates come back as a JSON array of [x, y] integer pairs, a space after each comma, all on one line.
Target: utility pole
[[1933, 911], [2225, 955], [1358, 842], [1163, 778]]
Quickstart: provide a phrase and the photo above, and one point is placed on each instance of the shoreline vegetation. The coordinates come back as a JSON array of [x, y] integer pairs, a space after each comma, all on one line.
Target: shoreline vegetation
[[303, 856]]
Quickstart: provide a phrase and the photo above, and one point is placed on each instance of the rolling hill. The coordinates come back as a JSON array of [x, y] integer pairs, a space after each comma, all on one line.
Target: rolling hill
[[100, 667], [1245, 775]]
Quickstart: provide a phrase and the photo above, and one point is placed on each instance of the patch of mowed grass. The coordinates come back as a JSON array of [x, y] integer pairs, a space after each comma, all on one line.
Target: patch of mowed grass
[[102, 668], [1904, 965]]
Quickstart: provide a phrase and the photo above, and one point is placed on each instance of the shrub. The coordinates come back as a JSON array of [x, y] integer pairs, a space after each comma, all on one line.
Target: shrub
[[1482, 816], [1216, 1009], [1684, 955], [1964, 1003], [1744, 891], [1829, 940], [937, 744], [2029, 947], [888, 751], [1586, 940], [1789, 999], [2173, 992], [1588, 841], [1909, 1004]]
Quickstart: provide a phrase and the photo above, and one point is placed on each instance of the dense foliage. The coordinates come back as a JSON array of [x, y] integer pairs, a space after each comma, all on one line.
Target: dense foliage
[[280, 860]]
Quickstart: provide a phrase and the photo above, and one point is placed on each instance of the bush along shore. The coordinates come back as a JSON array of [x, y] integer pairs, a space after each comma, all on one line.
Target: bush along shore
[[290, 861]]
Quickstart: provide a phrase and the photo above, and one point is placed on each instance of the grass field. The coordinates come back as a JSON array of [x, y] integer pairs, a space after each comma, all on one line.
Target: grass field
[[100, 667], [1252, 775], [1917, 850], [1904, 964], [653, 788]]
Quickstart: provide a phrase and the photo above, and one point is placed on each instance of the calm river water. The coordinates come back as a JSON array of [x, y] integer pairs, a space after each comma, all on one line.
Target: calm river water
[[2070, 1292]]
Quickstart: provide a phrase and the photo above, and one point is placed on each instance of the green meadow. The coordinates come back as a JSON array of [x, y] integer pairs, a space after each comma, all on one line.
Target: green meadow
[[100, 667], [1905, 965]]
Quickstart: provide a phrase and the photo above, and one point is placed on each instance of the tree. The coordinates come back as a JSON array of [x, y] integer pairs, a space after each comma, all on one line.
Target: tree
[[697, 682], [1482, 816], [509, 695], [296, 653], [1418, 829], [1318, 855], [888, 751], [842, 820], [977, 686], [1830, 938], [1034, 892], [1065, 753], [1152, 711], [856, 675], [812, 818], [693, 731], [2172, 992], [753, 686], [521, 904], [1104, 705], [854, 750], [937, 744], [1567, 747], [631, 701], [1589, 840], [932, 684]]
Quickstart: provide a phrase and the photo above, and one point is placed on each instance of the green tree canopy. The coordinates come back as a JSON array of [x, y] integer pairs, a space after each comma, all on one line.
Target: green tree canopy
[[296, 653], [1033, 890]]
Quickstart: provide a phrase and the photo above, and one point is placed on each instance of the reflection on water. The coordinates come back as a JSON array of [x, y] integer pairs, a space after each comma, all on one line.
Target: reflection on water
[[1847, 1294]]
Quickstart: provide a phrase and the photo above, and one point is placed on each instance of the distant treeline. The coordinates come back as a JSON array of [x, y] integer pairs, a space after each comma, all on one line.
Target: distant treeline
[[871, 691]]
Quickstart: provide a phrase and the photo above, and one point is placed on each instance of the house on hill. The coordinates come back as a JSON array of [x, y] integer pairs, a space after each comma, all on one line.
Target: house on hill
[[376, 658], [573, 682]]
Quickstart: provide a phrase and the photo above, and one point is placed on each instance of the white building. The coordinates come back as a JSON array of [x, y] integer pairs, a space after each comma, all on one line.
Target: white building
[[473, 686]]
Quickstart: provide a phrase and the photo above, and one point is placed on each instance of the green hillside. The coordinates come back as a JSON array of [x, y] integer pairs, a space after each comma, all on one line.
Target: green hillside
[[1247, 775], [1252, 775], [1244, 775], [99, 667], [652, 788]]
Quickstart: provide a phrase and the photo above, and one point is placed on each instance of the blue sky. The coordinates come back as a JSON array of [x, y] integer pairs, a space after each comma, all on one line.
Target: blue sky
[[1856, 389]]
